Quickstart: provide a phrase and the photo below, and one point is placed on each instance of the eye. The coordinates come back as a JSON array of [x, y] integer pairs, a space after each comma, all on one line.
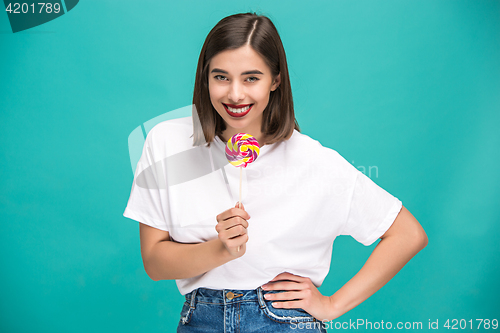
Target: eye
[[219, 77], [253, 79]]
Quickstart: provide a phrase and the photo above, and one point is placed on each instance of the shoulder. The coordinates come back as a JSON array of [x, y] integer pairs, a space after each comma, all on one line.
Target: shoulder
[[179, 129], [307, 148], [301, 140], [303, 143], [171, 128], [171, 136]]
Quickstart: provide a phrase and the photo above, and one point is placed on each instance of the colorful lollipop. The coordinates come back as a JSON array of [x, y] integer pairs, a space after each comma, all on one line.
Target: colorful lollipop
[[242, 149]]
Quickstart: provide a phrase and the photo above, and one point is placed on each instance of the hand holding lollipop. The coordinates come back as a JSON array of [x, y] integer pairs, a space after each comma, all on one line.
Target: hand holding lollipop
[[241, 150], [232, 229]]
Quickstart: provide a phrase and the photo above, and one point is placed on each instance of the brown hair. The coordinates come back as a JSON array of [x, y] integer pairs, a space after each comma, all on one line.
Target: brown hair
[[232, 32]]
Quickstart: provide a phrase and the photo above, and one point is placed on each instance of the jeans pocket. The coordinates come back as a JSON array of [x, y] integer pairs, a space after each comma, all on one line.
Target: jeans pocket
[[287, 315], [186, 313]]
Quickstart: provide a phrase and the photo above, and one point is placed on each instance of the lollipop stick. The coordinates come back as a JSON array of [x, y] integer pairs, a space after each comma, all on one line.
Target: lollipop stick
[[241, 172], [239, 202]]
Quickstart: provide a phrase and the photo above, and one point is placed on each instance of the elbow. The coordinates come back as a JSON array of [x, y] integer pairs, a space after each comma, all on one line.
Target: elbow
[[149, 271], [152, 275], [425, 239], [154, 279], [149, 263], [420, 239]]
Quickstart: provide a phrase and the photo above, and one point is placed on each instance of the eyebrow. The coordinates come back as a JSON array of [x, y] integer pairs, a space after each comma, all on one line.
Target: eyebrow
[[218, 70]]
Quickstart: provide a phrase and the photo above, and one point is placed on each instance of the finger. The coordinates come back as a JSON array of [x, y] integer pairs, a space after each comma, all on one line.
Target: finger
[[228, 215], [284, 285], [238, 205], [237, 241], [241, 212], [239, 221], [233, 222], [232, 212], [284, 296], [234, 232], [288, 304]]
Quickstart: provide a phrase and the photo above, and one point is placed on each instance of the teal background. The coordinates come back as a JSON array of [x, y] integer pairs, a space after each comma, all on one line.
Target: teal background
[[411, 87]]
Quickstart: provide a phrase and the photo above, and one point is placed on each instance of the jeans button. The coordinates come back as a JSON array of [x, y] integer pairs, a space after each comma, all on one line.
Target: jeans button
[[230, 295]]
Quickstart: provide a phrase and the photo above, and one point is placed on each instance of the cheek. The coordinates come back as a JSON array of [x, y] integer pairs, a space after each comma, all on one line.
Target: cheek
[[216, 92], [261, 96], [260, 93]]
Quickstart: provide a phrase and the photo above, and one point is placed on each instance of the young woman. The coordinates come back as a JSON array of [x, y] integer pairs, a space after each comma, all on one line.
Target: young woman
[[259, 273]]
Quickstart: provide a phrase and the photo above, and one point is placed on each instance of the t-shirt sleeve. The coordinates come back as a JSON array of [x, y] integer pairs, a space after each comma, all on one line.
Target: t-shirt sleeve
[[372, 211], [149, 189]]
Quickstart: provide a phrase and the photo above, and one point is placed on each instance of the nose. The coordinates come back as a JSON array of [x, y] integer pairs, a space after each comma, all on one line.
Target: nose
[[236, 92]]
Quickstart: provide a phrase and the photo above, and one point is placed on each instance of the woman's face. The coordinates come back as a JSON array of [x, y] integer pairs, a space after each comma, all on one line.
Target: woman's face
[[240, 82]]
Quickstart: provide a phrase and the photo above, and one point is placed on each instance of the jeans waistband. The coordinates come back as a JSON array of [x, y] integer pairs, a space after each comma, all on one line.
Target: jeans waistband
[[227, 296]]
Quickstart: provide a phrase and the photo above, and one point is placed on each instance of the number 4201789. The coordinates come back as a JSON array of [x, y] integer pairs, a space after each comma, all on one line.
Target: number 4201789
[[456, 324], [23, 8]]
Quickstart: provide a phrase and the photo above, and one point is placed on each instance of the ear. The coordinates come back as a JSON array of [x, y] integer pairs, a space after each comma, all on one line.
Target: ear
[[276, 82]]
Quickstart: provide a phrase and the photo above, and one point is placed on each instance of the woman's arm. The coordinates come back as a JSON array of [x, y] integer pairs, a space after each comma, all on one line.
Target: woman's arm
[[164, 259], [398, 245]]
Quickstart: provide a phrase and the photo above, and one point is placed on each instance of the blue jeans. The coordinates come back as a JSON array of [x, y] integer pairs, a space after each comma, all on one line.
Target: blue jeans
[[241, 311]]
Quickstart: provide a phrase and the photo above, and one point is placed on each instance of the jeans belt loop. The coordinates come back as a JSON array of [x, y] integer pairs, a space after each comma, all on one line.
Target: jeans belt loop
[[260, 298], [193, 296]]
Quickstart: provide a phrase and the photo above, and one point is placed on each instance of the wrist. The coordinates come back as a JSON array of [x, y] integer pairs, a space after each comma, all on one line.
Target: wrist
[[223, 252], [336, 309]]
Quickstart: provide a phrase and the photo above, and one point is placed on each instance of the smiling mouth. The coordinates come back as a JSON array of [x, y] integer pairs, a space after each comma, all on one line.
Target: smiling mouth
[[237, 111]]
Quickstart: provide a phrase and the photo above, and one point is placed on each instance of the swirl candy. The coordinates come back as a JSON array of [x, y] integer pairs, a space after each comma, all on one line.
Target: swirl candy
[[242, 149]]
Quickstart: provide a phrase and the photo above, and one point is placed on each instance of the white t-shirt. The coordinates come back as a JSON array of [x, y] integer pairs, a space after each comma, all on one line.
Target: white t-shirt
[[299, 194]]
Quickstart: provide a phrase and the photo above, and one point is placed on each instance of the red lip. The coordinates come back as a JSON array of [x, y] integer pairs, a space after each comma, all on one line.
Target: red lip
[[237, 115]]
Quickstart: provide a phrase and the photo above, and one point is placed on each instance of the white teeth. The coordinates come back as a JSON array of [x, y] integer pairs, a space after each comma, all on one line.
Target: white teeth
[[240, 110]]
